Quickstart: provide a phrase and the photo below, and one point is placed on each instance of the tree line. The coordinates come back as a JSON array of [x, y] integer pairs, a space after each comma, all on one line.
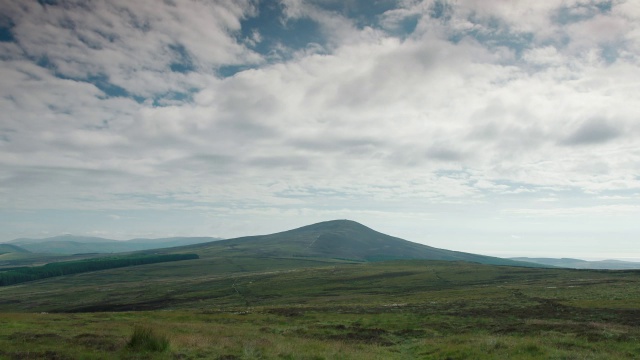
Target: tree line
[[24, 274]]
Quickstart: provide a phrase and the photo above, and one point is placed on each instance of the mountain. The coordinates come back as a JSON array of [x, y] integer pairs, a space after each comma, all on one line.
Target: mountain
[[582, 264], [171, 241], [10, 248], [70, 244], [338, 239], [62, 238]]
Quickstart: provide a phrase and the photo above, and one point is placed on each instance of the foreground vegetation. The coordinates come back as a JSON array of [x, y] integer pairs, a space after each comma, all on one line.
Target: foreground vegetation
[[389, 310], [274, 333]]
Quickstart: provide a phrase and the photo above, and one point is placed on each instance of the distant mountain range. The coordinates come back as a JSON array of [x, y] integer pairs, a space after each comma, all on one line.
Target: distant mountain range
[[70, 244], [336, 240], [582, 264]]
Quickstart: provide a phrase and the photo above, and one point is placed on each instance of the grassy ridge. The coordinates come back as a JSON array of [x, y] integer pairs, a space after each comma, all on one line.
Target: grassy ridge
[[243, 282], [23, 274]]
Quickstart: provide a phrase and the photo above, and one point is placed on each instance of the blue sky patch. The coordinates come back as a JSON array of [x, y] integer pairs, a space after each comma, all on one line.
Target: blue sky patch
[[182, 63], [111, 90], [609, 53], [497, 34], [6, 35], [47, 2], [362, 12], [230, 70], [441, 9], [172, 97], [270, 23], [568, 15]]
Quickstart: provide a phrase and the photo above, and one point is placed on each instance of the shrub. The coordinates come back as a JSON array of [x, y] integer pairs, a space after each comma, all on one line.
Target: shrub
[[145, 339]]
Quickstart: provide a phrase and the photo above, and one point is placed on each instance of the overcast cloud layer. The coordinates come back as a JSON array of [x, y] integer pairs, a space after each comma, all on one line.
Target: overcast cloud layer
[[497, 127]]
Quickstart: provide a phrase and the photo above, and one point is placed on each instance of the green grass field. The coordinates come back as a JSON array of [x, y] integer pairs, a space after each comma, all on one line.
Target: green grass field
[[310, 309]]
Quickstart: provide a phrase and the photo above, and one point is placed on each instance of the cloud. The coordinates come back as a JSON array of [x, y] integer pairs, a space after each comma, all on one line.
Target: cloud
[[133, 45], [212, 105], [593, 131], [445, 153]]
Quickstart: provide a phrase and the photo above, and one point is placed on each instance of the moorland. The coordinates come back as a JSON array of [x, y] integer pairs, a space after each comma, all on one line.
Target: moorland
[[333, 290]]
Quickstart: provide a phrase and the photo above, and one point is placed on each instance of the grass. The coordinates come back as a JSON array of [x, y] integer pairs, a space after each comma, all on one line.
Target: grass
[[268, 334], [311, 309], [145, 339]]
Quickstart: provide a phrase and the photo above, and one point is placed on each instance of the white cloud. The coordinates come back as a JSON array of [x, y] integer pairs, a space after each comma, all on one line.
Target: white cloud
[[545, 56], [133, 44]]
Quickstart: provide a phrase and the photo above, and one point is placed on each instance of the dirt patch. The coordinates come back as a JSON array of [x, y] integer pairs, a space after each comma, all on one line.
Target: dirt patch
[[413, 333], [388, 275], [34, 355], [288, 312], [98, 342], [336, 327], [25, 336], [547, 309], [8, 302], [376, 336], [106, 307]]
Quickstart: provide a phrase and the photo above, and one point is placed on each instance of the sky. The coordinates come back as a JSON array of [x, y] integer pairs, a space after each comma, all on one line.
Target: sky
[[505, 128]]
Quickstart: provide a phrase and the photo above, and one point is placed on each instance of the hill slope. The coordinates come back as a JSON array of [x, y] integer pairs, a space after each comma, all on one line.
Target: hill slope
[[70, 244], [10, 248], [339, 239]]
